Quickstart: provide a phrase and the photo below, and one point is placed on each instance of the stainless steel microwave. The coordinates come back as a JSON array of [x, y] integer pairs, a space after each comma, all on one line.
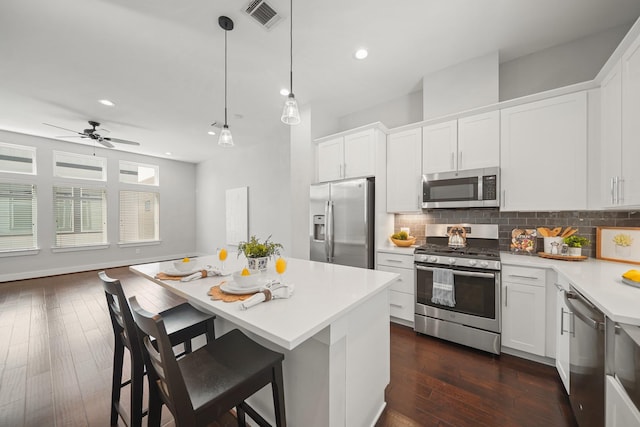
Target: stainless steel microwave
[[472, 188]]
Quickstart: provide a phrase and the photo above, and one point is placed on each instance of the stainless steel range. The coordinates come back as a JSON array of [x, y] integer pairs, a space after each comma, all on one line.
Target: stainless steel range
[[458, 285]]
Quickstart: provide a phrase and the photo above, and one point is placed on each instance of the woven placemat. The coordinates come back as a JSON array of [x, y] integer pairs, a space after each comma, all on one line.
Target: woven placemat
[[217, 294], [165, 276]]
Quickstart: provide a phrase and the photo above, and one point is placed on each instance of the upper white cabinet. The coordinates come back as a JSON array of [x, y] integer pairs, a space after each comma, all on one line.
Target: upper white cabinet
[[467, 143], [440, 147], [611, 138], [350, 156], [543, 154], [630, 190], [404, 164]]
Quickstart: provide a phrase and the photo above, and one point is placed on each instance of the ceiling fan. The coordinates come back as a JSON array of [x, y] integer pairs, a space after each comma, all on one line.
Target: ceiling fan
[[94, 135]]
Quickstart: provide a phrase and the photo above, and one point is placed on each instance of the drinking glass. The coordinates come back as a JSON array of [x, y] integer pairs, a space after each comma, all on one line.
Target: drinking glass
[[281, 267], [222, 256]]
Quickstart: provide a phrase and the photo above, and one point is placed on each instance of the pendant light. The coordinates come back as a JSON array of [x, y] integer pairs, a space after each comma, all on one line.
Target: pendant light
[[225, 140], [290, 113]]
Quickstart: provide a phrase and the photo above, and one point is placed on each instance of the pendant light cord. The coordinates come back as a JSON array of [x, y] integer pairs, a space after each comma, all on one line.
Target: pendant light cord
[[291, 47], [225, 76]]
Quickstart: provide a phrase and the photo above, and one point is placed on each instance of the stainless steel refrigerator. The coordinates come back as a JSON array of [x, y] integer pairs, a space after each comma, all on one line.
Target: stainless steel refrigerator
[[342, 222]]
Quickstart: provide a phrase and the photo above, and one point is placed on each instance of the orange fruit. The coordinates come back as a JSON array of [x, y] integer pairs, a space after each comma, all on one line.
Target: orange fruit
[[281, 265], [223, 254], [245, 272]]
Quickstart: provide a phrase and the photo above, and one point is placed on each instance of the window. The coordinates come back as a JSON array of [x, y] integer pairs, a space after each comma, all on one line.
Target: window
[[139, 216], [17, 216], [80, 215], [17, 159], [71, 165], [138, 173]]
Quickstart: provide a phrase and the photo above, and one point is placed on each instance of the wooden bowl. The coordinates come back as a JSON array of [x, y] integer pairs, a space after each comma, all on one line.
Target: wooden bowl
[[404, 243]]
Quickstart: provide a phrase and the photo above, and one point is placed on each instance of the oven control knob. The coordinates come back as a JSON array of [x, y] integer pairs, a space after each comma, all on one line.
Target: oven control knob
[[452, 260], [433, 259], [484, 264], [472, 262]]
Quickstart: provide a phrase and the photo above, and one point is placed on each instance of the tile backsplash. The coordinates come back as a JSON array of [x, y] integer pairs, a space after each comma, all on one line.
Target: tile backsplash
[[585, 221]]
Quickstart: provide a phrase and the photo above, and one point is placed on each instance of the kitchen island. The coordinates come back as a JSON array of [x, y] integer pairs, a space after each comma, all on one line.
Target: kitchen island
[[333, 331]]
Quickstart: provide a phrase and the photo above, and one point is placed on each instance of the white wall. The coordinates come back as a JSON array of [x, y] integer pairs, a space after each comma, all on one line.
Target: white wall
[[400, 111], [470, 84], [264, 167], [177, 214], [558, 66]]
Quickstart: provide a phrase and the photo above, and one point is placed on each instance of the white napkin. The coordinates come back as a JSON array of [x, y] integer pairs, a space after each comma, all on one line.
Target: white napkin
[[443, 291], [271, 291], [210, 272]]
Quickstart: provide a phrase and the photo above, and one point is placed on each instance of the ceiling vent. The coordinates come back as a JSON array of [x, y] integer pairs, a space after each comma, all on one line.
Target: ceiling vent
[[263, 13]]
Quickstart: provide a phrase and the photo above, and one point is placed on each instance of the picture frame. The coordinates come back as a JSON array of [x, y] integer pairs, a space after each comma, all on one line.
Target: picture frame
[[620, 244]]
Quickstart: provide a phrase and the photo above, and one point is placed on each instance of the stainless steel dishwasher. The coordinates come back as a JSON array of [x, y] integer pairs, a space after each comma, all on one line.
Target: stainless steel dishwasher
[[586, 369]]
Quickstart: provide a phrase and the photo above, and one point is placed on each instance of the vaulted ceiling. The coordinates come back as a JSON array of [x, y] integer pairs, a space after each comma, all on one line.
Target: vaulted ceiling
[[162, 61]]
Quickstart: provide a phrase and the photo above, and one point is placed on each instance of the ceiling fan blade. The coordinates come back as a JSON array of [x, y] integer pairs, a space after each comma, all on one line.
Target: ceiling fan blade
[[105, 142], [122, 141], [74, 131], [71, 136]]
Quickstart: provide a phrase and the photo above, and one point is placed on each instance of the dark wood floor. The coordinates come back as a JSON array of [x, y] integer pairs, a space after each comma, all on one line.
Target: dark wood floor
[[56, 347]]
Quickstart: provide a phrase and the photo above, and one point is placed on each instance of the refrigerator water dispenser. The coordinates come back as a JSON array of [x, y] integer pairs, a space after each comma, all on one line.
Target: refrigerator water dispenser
[[318, 227]]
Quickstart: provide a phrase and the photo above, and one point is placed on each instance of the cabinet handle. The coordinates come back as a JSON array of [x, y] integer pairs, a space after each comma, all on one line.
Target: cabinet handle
[[524, 277], [452, 154], [460, 159], [620, 190], [506, 292], [393, 260], [396, 305], [613, 190], [561, 319], [504, 198], [559, 286]]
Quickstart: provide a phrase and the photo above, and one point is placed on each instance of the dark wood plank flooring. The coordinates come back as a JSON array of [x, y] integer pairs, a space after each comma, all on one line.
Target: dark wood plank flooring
[[56, 347]]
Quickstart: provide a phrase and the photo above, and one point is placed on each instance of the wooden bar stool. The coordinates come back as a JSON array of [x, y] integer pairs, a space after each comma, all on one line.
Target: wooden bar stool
[[212, 380], [183, 323]]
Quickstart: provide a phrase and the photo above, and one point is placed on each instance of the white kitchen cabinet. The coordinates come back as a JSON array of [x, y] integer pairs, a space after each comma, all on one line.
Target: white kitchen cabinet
[[467, 143], [619, 409], [440, 147], [630, 190], [401, 293], [348, 156], [563, 325], [404, 166], [543, 154], [523, 309], [611, 137]]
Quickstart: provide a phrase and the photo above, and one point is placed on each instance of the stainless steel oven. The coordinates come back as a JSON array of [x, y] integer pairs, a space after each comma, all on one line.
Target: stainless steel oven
[[474, 319]]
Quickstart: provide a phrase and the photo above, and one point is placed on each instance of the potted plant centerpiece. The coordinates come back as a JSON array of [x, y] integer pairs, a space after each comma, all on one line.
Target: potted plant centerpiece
[[575, 244], [258, 253]]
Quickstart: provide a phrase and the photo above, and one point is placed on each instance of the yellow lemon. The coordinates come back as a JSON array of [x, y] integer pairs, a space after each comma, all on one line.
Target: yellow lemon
[[223, 254], [185, 259], [281, 265], [245, 272]]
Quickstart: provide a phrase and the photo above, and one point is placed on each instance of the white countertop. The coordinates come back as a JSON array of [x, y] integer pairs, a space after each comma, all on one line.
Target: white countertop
[[323, 293], [599, 281]]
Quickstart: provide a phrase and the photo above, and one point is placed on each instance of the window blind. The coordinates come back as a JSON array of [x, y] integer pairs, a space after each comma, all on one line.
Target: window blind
[[139, 216], [18, 216], [80, 214]]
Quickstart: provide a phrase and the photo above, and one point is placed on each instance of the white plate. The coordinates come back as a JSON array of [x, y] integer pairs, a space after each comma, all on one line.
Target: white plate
[[233, 288], [172, 271], [630, 282]]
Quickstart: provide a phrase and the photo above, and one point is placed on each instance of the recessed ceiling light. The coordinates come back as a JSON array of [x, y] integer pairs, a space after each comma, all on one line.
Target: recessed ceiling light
[[211, 132], [361, 53], [106, 102], [168, 153], [284, 92]]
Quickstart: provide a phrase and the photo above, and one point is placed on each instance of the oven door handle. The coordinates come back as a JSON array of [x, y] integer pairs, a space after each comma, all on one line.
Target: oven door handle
[[461, 272]]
